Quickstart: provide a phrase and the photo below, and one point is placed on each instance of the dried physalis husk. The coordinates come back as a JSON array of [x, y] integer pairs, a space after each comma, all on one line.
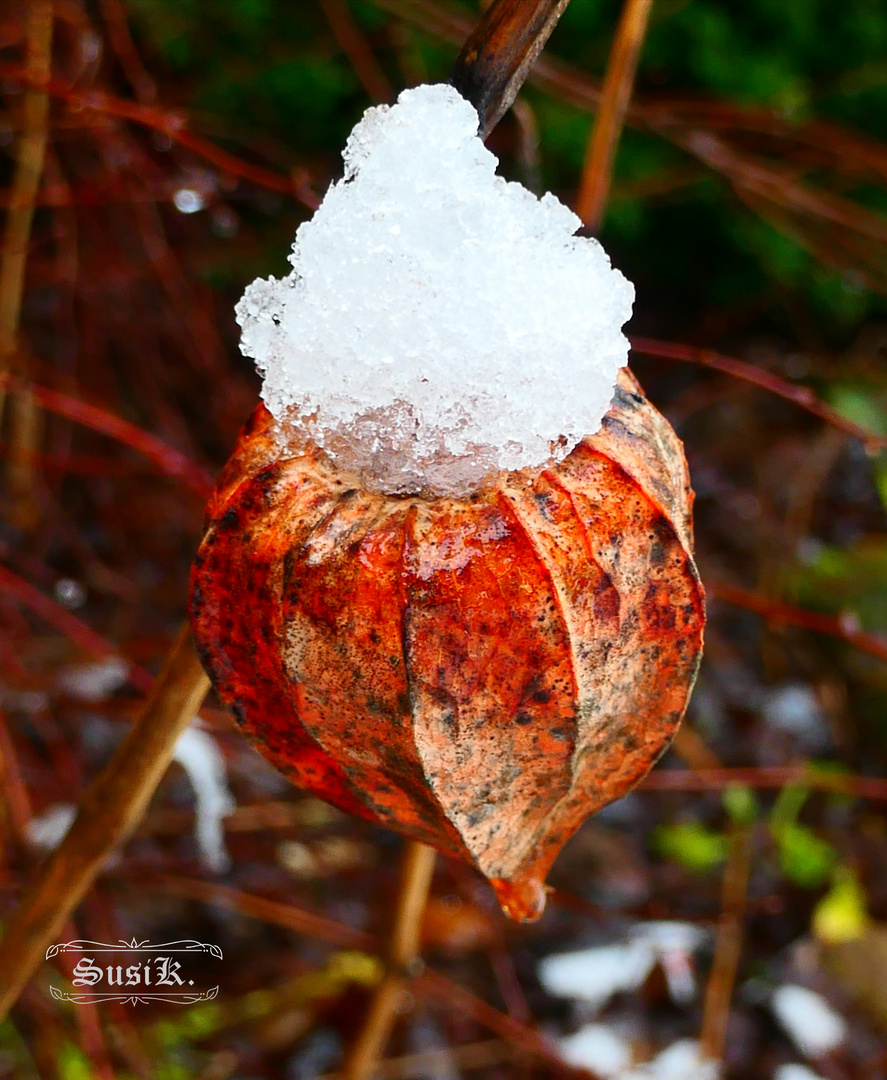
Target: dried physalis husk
[[480, 673]]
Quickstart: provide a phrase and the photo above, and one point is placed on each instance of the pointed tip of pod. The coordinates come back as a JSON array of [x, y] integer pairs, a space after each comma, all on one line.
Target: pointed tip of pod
[[521, 899]]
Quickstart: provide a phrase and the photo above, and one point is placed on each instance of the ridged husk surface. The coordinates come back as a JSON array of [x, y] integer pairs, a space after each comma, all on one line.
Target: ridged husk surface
[[480, 674]]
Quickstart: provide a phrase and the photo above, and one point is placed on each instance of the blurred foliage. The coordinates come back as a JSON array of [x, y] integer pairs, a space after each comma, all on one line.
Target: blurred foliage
[[750, 209], [695, 846], [678, 231], [741, 804], [841, 914], [804, 858]]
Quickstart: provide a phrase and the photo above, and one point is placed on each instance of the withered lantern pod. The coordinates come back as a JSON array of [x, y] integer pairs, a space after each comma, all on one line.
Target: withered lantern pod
[[477, 673]]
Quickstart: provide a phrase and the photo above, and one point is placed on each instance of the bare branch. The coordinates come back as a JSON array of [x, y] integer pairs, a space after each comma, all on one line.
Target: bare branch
[[497, 57]]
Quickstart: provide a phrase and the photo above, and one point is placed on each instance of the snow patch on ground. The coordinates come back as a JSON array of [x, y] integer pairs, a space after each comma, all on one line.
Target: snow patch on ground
[[196, 751], [808, 1020], [595, 975]]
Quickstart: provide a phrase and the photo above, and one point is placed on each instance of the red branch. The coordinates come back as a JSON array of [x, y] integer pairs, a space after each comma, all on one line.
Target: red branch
[[174, 126], [86, 639], [776, 611], [863, 787], [163, 456], [798, 395]]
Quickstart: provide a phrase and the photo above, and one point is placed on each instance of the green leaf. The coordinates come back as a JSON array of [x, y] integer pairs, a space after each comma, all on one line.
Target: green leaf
[[859, 404], [841, 915], [691, 844], [73, 1064], [804, 858], [741, 804]]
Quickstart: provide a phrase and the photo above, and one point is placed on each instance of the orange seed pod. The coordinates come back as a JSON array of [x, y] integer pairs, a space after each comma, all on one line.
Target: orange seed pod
[[478, 673]]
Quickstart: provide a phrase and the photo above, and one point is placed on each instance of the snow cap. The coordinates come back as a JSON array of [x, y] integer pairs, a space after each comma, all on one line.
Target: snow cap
[[439, 322]]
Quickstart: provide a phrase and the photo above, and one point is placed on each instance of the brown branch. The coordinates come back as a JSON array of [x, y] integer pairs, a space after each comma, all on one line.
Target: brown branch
[[109, 812], [728, 947], [356, 47], [403, 949], [30, 155], [801, 396], [618, 82], [777, 777], [117, 25], [432, 983], [775, 611], [498, 55], [174, 126]]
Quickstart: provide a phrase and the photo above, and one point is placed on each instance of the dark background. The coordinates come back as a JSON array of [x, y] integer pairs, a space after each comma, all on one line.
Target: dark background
[[187, 140]]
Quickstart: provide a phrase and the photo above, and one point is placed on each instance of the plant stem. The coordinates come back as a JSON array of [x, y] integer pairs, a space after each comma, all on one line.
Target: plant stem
[[109, 812], [728, 947], [618, 83], [30, 155], [357, 49], [403, 949], [497, 57]]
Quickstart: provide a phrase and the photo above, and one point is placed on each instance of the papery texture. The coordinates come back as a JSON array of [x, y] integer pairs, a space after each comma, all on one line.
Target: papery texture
[[480, 674]]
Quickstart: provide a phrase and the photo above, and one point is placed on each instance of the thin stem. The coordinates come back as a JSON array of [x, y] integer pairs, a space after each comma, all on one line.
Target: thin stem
[[775, 612], [317, 927], [497, 57], [424, 1063], [802, 396], [116, 21], [109, 812], [173, 124], [31, 152], [164, 457], [618, 83], [30, 155], [728, 947], [776, 777], [17, 801], [357, 49], [403, 948], [430, 983]]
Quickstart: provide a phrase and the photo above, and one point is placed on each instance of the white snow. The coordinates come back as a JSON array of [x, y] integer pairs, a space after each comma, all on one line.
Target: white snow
[[46, 831], [439, 322], [597, 1047], [594, 975], [680, 1061], [795, 709], [94, 681], [197, 753], [808, 1019], [673, 945], [600, 1049], [796, 1072]]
